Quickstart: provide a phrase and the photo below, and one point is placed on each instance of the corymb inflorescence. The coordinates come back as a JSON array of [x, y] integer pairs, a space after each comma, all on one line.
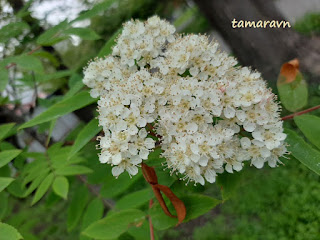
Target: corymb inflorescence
[[209, 115]]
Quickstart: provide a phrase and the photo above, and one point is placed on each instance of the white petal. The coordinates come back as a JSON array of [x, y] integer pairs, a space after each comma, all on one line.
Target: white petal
[[116, 159], [116, 171]]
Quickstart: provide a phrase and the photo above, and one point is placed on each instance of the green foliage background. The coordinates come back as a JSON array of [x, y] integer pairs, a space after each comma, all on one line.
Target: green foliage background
[[65, 193]]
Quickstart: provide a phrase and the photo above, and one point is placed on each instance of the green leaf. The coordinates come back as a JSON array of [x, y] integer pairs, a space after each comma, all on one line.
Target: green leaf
[[113, 226], [310, 126], [107, 48], [8, 232], [93, 213], [13, 29], [303, 151], [73, 170], [61, 186], [77, 206], [5, 182], [43, 188], [7, 156], [115, 186], [84, 33], [53, 76], [53, 35], [293, 95], [4, 77], [185, 17], [228, 183], [28, 62], [59, 109], [134, 200], [94, 11], [4, 129], [196, 205], [86, 134], [4, 200]]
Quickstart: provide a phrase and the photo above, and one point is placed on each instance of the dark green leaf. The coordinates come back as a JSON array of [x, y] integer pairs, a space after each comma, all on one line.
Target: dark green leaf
[[53, 35], [84, 33], [4, 129], [7, 156], [5, 182], [61, 186], [4, 200], [95, 10], [107, 48], [303, 151], [196, 205], [59, 109], [310, 126], [94, 212], [8, 232], [115, 186], [77, 206], [86, 134], [43, 188], [228, 183], [114, 225], [4, 77]]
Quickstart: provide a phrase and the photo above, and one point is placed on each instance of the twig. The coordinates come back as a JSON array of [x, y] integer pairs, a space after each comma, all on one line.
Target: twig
[[150, 222], [300, 113], [94, 191]]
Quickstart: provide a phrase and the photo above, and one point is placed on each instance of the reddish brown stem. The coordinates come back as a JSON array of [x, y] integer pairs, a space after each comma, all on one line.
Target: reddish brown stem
[[300, 113], [150, 222]]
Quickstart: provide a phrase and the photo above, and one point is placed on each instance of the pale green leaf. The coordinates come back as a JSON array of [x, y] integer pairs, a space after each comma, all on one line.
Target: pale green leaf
[[59, 109], [8, 232], [310, 126], [28, 62], [73, 170], [4, 129], [294, 95], [303, 151], [7, 156], [83, 33], [13, 29], [113, 226], [5, 182], [77, 205], [61, 186], [86, 134], [135, 199], [43, 188]]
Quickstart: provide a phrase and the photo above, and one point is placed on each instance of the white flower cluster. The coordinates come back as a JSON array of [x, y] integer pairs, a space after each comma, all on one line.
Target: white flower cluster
[[209, 116]]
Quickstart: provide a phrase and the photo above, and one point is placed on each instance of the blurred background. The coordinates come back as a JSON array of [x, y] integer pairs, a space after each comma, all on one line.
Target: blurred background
[[280, 203]]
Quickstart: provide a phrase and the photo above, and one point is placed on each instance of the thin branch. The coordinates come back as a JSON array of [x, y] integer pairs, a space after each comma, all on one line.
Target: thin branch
[[95, 192], [300, 113], [150, 222]]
